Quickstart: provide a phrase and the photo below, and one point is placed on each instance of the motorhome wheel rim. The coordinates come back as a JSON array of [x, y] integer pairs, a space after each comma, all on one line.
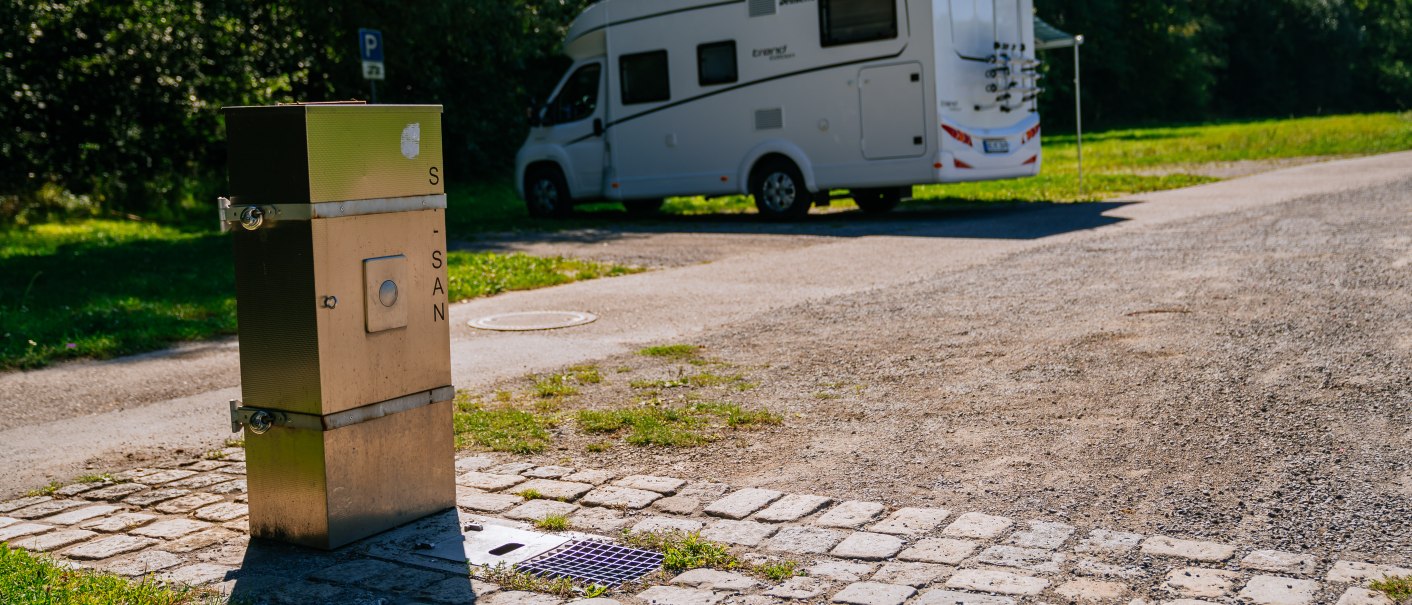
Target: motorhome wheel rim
[[546, 195], [779, 191]]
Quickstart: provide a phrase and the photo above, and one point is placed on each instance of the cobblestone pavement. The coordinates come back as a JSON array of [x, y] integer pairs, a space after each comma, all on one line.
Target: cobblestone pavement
[[187, 524]]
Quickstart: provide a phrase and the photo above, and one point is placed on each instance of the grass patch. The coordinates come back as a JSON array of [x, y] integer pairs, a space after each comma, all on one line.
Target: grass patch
[[235, 443], [510, 579], [701, 380], [553, 523], [1397, 588], [530, 494], [672, 352], [555, 385], [478, 274], [47, 490], [683, 426], [101, 478], [683, 551], [26, 579], [598, 446], [501, 429], [778, 570]]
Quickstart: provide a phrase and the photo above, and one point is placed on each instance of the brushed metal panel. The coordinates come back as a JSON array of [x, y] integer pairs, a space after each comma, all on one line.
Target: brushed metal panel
[[277, 313], [389, 471], [381, 276], [373, 151], [288, 486], [267, 156], [357, 367]]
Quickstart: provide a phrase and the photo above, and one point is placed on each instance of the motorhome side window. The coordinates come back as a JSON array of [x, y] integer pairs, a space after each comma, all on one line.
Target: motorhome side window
[[644, 77], [579, 97], [855, 21], [715, 63]]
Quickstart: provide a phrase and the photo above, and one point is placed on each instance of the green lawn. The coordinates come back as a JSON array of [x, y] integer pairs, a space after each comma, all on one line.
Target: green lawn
[[26, 579]]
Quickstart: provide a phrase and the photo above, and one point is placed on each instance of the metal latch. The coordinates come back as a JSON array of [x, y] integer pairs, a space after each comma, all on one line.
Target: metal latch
[[259, 421]]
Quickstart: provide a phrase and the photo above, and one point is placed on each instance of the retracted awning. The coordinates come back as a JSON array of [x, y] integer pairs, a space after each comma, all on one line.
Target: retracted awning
[[1047, 36]]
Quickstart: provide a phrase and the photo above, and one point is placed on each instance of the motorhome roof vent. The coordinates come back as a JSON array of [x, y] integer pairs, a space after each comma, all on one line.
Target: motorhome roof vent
[[761, 8], [593, 562], [769, 119]]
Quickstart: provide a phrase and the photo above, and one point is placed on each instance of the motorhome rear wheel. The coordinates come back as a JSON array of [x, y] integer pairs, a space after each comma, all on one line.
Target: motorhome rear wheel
[[546, 194]]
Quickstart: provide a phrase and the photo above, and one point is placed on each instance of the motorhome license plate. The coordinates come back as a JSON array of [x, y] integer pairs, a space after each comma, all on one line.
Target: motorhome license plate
[[997, 146]]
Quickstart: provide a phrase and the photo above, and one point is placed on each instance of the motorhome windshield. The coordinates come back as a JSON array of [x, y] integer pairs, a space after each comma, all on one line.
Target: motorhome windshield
[[577, 99]]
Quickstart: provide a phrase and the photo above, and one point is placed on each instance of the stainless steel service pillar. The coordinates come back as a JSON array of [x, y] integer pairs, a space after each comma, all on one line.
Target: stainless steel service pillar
[[338, 212]]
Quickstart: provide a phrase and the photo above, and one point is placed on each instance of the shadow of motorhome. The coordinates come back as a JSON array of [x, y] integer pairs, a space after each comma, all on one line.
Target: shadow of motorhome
[[383, 568]]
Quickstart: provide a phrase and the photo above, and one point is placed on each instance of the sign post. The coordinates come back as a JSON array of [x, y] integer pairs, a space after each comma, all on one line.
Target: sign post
[[370, 48]]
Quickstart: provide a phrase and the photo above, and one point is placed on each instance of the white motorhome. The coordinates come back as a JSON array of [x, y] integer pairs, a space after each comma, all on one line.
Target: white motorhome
[[784, 100]]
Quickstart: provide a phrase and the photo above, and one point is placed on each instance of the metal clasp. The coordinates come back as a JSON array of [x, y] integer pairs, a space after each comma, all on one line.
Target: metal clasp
[[257, 420]]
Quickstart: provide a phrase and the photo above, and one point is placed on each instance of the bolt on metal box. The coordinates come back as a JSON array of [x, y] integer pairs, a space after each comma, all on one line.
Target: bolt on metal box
[[338, 213]]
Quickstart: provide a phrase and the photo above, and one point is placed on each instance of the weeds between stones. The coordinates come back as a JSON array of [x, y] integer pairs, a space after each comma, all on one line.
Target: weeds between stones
[[1397, 588], [553, 523]]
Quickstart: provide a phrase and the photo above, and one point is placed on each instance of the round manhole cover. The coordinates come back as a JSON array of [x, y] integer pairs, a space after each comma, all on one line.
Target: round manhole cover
[[533, 320]]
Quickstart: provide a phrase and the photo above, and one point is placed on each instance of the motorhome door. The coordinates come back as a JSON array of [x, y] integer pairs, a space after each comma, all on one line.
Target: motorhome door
[[575, 119], [980, 27]]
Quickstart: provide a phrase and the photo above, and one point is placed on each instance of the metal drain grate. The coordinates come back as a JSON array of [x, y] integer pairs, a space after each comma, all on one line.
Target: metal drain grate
[[593, 562]]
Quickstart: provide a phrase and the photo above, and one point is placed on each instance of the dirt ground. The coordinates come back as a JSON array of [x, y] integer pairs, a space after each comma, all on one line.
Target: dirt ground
[[1243, 377]]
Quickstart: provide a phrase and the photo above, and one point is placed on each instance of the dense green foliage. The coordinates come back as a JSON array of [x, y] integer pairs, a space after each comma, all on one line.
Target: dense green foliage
[[113, 106]]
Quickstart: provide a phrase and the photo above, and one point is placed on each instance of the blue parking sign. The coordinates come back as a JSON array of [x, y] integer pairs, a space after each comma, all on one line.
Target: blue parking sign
[[370, 44]]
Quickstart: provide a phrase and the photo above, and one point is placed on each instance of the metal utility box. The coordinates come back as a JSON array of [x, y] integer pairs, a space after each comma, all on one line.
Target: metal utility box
[[338, 214]]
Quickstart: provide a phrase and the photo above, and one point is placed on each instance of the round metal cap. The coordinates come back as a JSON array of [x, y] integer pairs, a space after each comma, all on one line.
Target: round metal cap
[[387, 293], [533, 320]]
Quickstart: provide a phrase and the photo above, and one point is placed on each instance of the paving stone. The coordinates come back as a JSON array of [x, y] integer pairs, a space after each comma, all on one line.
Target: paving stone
[[188, 503], [230, 487], [800, 588], [142, 563], [668, 524], [842, 571], [741, 504], [134, 473], [671, 595], [619, 497], [166, 476], [909, 521], [150, 497], [118, 522], [74, 489], [1363, 596], [470, 498], [1200, 582], [1029, 559], [548, 472], [46, 508], [951, 597], [977, 525], [80, 515], [242, 525], [1187, 549], [911, 574], [110, 546], [555, 490], [200, 481], [286, 592], [805, 540], [19, 503], [238, 468], [744, 533], [222, 512], [18, 530], [200, 540], [868, 546], [206, 465], [196, 574], [595, 601], [1042, 534], [170, 529], [234, 551], [535, 510], [354, 572], [852, 514], [511, 468], [1278, 561], [115, 492], [1108, 541], [488, 481], [874, 593], [8, 521], [940, 550], [1353, 571], [792, 507], [474, 463], [680, 505], [595, 477], [603, 520], [53, 540], [459, 591], [663, 485], [1091, 591], [716, 580], [997, 581], [1085, 566], [705, 490], [1276, 590]]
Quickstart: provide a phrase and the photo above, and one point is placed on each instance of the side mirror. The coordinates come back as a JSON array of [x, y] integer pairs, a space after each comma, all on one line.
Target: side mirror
[[597, 127], [532, 113]]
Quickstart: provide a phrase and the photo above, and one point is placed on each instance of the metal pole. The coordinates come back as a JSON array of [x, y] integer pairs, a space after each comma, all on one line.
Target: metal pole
[[374, 84], [1078, 112]]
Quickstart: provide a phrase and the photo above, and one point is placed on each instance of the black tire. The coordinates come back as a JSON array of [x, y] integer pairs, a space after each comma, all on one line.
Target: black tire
[[546, 193], [877, 201], [779, 190], [642, 207]]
